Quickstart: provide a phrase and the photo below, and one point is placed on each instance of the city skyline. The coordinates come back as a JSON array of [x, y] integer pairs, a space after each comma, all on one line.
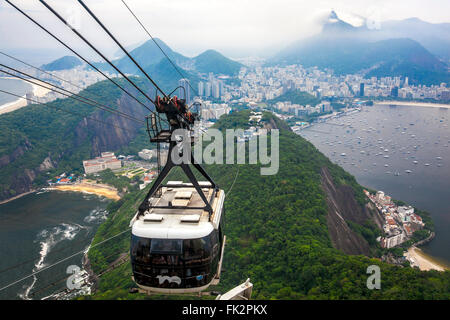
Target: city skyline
[[242, 28]]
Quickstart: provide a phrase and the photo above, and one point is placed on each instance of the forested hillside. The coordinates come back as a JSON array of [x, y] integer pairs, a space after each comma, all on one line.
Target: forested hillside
[[277, 234], [43, 139], [64, 63], [297, 97]]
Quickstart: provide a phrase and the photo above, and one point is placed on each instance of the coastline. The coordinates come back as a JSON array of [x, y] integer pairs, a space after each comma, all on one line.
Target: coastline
[[83, 187], [90, 188], [423, 261], [12, 106], [38, 91], [16, 197], [414, 104]]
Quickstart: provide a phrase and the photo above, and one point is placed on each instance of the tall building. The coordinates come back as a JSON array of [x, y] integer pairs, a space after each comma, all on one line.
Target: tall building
[[208, 89], [394, 92], [361, 89], [107, 161], [325, 106], [30, 96], [185, 92], [201, 88], [445, 95], [216, 90]]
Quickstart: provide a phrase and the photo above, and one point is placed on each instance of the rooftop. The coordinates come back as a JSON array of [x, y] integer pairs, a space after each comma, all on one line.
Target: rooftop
[[180, 223]]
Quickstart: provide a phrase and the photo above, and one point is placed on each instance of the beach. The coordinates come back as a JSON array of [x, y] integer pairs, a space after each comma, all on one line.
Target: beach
[[414, 104], [418, 258], [38, 91], [17, 197], [91, 188], [87, 186]]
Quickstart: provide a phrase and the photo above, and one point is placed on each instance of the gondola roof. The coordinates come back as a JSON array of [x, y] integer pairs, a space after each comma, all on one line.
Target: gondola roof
[[177, 222]]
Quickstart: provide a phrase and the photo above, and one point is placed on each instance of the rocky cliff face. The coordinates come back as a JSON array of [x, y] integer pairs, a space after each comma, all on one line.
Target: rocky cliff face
[[342, 207], [104, 137], [19, 151], [97, 136]]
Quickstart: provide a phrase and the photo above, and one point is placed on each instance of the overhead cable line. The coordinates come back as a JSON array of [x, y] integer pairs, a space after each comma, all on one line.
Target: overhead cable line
[[115, 40], [179, 87], [56, 91], [77, 54], [62, 260], [157, 44], [120, 45], [66, 276], [71, 94], [165, 54], [41, 70], [94, 48], [73, 113], [103, 56], [30, 260], [232, 185]]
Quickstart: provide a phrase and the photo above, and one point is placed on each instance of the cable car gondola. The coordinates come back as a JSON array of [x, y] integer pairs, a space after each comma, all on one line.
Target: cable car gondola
[[177, 234]]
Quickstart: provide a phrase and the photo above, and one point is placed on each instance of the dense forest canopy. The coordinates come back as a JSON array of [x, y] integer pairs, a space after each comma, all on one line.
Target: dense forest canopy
[[276, 234]]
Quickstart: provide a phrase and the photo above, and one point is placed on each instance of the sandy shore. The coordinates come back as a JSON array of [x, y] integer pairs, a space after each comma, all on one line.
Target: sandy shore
[[419, 259], [17, 197], [20, 103], [11, 106], [91, 188], [414, 104], [38, 90]]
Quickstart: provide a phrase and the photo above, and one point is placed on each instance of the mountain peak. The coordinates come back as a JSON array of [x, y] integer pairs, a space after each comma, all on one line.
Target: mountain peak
[[64, 63], [333, 15], [341, 23], [214, 61], [211, 52]]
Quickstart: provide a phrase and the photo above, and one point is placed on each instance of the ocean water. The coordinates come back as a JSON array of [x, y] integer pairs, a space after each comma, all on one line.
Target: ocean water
[[15, 86], [379, 144], [40, 229]]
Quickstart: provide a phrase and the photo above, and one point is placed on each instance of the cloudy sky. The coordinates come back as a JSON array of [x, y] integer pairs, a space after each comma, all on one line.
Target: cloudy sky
[[235, 27]]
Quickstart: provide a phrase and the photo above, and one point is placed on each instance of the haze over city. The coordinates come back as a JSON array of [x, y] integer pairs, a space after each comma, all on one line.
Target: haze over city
[[236, 28]]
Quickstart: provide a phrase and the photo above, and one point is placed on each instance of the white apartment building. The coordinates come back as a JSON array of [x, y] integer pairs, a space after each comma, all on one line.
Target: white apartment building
[[107, 161]]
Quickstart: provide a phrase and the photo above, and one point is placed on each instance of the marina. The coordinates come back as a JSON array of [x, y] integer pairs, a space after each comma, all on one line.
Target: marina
[[402, 150]]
